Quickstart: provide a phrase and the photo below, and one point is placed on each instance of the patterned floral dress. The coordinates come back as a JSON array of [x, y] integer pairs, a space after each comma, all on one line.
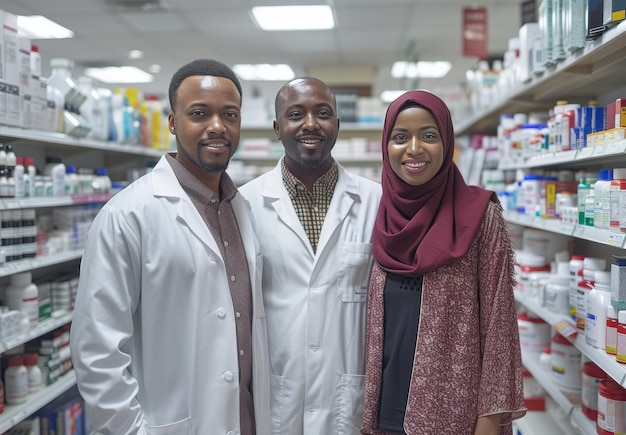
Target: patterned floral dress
[[467, 360]]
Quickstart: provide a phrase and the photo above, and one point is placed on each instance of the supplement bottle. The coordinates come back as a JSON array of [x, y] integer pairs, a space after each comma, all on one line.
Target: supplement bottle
[[16, 381], [611, 330], [23, 295], [592, 376], [590, 266], [598, 299], [35, 379], [618, 282], [575, 276]]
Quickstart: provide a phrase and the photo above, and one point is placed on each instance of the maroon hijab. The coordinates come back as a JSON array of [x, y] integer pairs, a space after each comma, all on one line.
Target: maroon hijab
[[421, 228]]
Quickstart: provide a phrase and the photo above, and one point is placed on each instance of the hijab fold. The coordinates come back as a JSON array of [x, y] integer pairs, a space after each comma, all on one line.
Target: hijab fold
[[421, 228]]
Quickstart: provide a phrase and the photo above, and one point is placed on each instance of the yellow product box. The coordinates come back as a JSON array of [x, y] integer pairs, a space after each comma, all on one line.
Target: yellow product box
[[595, 139], [614, 134]]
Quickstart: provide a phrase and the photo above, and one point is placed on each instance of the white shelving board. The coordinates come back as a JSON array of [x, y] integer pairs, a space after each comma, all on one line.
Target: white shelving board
[[13, 414]]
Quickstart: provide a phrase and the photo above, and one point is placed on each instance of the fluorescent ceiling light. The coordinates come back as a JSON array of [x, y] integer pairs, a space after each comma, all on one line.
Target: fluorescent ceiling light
[[318, 17], [135, 54], [389, 95], [421, 69], [119, 74], [40, 27], [264, 71]]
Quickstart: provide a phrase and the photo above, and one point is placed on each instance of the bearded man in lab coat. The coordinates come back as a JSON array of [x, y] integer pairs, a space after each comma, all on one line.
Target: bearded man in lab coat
[[169, 332], [314, 221]]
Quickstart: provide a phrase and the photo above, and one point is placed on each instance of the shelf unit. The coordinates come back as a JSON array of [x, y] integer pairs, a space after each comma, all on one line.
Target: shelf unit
[[593, 73], [595, 70], [13, 414], [80, 152]]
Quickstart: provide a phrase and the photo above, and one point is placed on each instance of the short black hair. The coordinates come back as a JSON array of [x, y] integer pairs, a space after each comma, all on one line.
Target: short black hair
[[201, 67]]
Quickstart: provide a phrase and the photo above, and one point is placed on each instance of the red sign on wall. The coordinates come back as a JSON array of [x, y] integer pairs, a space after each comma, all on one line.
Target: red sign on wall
[[475, 32]]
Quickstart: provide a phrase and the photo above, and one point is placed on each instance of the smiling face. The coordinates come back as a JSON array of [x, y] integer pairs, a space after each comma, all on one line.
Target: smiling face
[[207, 124], [415, 146], [307, 125]]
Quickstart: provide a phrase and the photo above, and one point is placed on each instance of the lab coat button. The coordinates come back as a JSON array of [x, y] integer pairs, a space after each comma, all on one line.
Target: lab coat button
[[228, 376], [221, 312]]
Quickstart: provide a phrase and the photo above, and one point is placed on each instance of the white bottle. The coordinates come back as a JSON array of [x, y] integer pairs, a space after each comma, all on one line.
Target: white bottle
[[19, 176], [598, 299], [31, 171], [102, 182], [22, 295], [94, 109], [35, 378], [56, 170], [71, 180], [55, 108], [16, 381]]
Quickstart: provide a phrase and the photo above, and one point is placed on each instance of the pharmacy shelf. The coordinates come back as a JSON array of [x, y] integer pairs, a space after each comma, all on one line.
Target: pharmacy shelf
[[564, 324], [57, 320], [576, 419], [65, 140], [600, 156], [39, 262], [538, 423], [592, 71], [13, 414], [53, 201], [584, 232], [261, 158]]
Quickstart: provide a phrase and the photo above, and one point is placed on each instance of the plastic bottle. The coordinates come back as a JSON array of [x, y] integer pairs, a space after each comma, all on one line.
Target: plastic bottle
[[566, 364], [31, 171], [22, 295], [591, 378], [102, 182], [575, 276], [617, 184], [19, 176], [590, 266], [602, 186], [94, 110], [16, 380], [590, 202], [611, 330], [35, 378], [56, 170], [618, 281], [11, 162], [620, 356], [582, 192], [598, 299], [71, 180], [556, 294]]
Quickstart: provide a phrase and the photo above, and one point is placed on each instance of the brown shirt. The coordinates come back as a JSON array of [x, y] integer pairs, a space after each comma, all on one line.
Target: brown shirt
[[218, 214], [311, 206]]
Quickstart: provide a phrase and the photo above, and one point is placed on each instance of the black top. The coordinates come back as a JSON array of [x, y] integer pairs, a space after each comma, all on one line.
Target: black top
[[403, 297]]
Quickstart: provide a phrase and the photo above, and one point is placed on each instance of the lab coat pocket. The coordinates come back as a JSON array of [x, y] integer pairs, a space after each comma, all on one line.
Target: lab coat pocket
[[349, 404], [277, 402], [182, 427], [355, 265]]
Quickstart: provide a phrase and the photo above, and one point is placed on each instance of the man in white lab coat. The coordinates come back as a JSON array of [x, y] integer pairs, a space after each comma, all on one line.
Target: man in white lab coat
[[169, 333], [314, 221]]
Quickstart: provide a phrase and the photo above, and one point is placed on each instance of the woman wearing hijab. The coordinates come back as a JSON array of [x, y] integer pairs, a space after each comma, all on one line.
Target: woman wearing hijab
[[443, 354]]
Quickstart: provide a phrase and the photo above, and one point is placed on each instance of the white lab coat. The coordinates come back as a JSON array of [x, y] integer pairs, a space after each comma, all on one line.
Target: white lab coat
[[315, 303], [153, 339]]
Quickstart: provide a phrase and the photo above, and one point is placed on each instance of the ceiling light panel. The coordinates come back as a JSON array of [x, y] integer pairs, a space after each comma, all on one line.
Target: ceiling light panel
[[119, 74], [314, 17], [40, 27], [264, 72]]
